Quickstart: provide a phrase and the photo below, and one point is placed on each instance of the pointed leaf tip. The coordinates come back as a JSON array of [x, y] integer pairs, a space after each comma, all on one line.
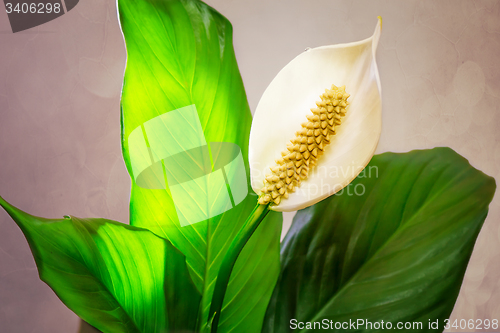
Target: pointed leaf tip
[[186, 58], [412, 228], [76, 255], [15, 213]]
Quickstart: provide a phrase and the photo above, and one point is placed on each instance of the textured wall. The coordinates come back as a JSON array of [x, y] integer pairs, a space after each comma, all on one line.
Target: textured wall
[[59, 115]]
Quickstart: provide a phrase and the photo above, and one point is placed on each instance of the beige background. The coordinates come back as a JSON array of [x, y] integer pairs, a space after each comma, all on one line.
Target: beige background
[[59, 115]]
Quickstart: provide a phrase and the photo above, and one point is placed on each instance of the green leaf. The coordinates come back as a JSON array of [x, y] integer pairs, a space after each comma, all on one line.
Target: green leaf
[[116, 277], [397, 253], [180, 54], [86, 328]]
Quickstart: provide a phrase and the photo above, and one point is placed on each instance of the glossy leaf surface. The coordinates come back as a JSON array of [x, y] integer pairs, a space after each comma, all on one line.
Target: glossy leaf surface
[[116, 277], [393, 246], [180, 54]]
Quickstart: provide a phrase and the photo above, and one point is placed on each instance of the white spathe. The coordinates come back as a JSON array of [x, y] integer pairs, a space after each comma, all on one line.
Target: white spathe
[[289, 98]]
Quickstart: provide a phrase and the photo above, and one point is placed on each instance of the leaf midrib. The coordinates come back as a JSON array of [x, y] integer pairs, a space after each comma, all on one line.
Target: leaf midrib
[[99, 282], [350, 281]]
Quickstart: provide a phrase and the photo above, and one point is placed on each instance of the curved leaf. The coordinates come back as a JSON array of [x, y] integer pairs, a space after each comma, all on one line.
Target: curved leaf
[[180, 54], [116, 277], [395, 251]]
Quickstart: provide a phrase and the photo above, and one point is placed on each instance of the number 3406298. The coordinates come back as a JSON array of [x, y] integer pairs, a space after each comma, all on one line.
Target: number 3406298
[[471, 324], [33, 8]]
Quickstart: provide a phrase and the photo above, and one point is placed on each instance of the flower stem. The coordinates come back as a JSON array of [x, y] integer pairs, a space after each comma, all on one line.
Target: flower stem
[[251, 224]]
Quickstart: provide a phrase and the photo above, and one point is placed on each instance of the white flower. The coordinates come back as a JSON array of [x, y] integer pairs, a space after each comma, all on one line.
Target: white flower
[[295, 177]]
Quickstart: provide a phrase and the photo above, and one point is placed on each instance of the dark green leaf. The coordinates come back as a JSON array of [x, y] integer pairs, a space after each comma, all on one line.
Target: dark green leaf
[[116, 277], [180, 53], [86, 328], [397, 253]]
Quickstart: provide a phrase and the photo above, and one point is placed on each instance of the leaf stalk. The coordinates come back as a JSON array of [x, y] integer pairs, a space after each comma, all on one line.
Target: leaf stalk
[[251, 224]]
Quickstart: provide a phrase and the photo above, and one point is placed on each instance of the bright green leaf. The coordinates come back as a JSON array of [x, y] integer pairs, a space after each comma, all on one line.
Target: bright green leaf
[[180, 54], [116, 277], [397, 253]]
